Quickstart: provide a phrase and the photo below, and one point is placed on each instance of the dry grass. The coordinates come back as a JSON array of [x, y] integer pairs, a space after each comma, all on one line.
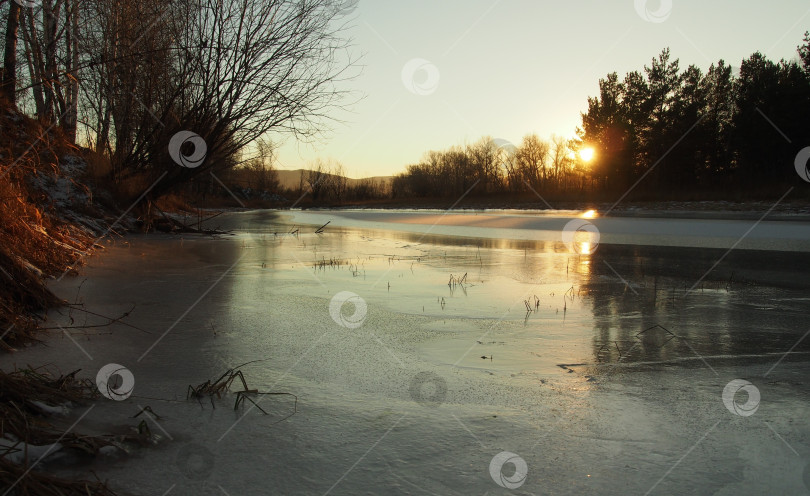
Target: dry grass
[[34, 243], [99, 168], [174, 203], [21, 391], [20, 388], [39, 484]]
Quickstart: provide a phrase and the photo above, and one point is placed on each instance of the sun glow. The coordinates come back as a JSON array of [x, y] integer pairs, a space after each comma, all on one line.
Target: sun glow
[[590, 214], [586, 154]]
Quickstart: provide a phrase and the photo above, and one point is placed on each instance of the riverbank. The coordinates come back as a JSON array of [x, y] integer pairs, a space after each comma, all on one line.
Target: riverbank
[[49, 226]]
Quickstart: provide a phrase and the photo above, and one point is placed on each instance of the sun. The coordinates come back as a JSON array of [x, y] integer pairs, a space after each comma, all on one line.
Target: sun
[[586, 154]]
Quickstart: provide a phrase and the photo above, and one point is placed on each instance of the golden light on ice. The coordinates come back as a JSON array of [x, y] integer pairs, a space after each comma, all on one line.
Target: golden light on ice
[[586, 154], [590, 214], [585, 248]]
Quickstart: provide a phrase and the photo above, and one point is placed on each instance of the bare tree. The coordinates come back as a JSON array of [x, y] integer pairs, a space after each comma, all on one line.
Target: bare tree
[[560, 158], [246, 68], [507, 155], [532, 159], [338, 182], [8, 81], [131, 75], [72, 34], [317, 180], [34, 59], [262, 176], [484, 160]]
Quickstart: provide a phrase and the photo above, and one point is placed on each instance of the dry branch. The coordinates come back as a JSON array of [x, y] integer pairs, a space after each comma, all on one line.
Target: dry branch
[[27, 397]]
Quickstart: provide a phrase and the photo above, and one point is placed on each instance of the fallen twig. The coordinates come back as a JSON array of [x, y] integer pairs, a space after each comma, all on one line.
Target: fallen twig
[[320, 229]]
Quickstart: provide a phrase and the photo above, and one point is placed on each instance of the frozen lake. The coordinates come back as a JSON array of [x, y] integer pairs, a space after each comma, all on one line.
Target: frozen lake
[[468, 353]]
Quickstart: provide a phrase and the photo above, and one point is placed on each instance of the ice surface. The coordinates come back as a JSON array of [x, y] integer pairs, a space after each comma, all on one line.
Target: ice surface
[[612, 384]]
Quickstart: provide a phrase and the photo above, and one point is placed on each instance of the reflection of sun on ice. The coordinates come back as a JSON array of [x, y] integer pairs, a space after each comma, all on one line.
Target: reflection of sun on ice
[[586, 154], [585, 247]]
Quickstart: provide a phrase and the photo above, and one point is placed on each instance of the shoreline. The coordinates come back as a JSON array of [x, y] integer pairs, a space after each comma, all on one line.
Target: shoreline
[[717, 210], [682, 209], [633, 211], [741, 233]]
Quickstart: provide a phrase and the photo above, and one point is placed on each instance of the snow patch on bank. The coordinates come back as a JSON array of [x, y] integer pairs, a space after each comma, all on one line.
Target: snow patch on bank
[[18, 452]]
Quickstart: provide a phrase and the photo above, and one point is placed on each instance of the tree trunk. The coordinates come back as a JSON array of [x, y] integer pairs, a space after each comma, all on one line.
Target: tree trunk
[[34, 55], [8, 84], [72, 58], [49, 45]]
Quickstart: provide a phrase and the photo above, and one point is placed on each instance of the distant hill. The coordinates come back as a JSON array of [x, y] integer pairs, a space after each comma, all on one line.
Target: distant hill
[[291, 178]]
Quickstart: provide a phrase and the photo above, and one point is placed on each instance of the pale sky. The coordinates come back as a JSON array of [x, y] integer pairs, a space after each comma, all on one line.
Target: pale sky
[[505, 68]]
